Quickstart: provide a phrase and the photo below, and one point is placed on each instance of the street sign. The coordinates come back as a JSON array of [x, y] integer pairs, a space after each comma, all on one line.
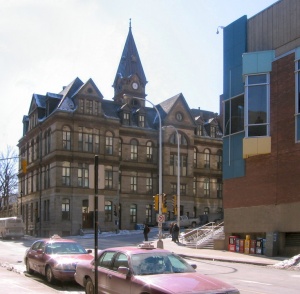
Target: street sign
[[160, 218]]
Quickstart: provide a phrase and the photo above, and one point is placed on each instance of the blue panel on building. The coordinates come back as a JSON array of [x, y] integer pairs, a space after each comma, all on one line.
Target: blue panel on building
[[235, 44], [233, 162]]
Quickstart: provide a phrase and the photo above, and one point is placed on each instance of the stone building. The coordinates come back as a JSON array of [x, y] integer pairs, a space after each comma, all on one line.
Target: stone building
[[64, 131], [262, 127]]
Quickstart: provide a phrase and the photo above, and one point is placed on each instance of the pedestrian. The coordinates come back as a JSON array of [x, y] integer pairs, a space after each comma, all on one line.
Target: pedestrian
[[146, 232], [171, 230], [176, 232]]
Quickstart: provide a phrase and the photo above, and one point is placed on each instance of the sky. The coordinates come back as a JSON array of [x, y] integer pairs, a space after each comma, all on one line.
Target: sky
[[45, 45]]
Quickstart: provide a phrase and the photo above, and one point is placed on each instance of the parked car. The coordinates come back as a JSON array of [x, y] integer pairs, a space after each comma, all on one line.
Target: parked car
[[147, 270], [184, 222], [55, 258]]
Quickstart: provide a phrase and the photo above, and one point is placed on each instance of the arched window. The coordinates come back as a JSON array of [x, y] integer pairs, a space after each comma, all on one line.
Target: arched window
[[149, 151], [206, 158], [65, 209], [66, 138], [134, 149], [182, 139], [109, 143], [220, 160], [108, 211]]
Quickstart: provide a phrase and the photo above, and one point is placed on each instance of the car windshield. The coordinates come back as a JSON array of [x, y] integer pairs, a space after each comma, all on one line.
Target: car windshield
[[64, 248], [159, 263]]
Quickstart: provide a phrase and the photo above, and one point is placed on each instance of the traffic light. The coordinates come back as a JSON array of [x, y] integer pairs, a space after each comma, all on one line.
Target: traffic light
[[156, 202], [164, 205], [174, 204]]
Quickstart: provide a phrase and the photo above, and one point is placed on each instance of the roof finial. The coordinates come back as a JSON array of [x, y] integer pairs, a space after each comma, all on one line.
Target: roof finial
[[129, 23]]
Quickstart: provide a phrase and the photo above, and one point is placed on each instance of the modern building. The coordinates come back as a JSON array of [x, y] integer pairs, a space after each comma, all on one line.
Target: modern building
[[64, 131], [261, 149]]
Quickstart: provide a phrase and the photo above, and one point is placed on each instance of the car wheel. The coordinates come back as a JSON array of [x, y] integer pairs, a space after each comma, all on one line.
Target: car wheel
[[28, 269], [49, 275], [89, 287]]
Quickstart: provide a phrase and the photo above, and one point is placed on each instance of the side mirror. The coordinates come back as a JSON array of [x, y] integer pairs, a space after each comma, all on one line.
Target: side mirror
[[89, 251], [194, 266], [124, 270]]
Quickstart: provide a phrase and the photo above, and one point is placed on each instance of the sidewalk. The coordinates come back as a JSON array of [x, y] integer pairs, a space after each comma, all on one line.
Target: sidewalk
[[221, 255]]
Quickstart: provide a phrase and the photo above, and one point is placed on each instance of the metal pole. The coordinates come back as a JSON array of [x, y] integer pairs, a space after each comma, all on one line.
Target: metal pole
[[96, 224], [178, 174], [160, 242]]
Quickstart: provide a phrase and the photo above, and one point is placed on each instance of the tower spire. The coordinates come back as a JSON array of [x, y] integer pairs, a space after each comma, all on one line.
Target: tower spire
[[129, 23]]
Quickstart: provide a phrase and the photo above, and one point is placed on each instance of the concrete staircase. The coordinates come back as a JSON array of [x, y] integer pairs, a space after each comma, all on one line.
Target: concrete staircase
[[204, 236]]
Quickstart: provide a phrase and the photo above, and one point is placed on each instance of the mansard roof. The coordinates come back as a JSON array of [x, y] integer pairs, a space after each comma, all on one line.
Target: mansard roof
[[130, 62]]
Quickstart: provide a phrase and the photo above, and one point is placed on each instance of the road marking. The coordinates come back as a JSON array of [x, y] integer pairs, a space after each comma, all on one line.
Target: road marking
[[253, 282]]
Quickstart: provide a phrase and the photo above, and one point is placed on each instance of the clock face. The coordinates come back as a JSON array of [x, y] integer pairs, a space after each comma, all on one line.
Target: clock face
[[135, 86], [179, 116]]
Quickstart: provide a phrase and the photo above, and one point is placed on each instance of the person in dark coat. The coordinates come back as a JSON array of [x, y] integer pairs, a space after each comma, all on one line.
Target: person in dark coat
[[146, 232], [175, 233]]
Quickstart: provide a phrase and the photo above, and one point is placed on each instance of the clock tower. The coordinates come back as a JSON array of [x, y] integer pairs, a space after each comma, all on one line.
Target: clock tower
[[130, 80]]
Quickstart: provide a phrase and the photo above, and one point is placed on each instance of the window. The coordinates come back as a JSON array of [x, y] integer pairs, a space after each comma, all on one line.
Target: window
[[219, 188], [65, 209], [206, 187], [37, 147], [174, 165], [126, 120], [182, 139], [141, 121], [182, 189], [66, 173], [108, 177], [199, 130], [133, 149], [108, 211], [89, 107], [133, 183], [149, 184], [120, 148], [195, 157], [81, 106], [47, 138], [109, 143], [213, 131], [194, 186], [133, 213], [148, 214], [206, 158], [149, 147], [89, 140], [234, 115], [97, 141], [66, 138], [80, 138], [219, 160], [83, 175], [206, 210], [174, 189], [47, 177], [257, 105]]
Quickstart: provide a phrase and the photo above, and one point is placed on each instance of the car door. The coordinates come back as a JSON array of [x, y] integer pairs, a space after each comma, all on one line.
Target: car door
[[104, 268], [117, 282], [32, 256]]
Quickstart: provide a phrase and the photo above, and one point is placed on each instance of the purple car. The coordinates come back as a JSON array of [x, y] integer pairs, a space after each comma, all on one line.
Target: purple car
[[138, 270]]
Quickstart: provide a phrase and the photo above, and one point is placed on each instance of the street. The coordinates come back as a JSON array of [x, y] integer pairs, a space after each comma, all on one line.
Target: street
[[247, 278]]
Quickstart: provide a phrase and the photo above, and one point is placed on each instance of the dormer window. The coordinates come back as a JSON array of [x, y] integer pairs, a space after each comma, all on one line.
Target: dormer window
[[141, 121], [213, 131], [126, 119]]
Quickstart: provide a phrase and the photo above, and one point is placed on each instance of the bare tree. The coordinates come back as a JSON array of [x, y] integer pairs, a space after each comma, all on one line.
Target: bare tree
[[8, 176]]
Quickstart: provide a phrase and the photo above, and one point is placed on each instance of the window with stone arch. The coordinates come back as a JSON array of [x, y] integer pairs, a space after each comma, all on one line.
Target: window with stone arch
[[66, 138], [108, 211], [207, 158], [109, 143], [149, 152], [134, 149], [182, 139]]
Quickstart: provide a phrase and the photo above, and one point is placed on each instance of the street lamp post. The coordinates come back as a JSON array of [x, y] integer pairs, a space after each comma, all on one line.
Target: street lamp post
[[159, 242], [178, 174]]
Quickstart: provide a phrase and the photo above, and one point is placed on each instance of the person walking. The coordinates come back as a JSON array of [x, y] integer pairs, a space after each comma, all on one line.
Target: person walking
[[146, 232], [175, 233]]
